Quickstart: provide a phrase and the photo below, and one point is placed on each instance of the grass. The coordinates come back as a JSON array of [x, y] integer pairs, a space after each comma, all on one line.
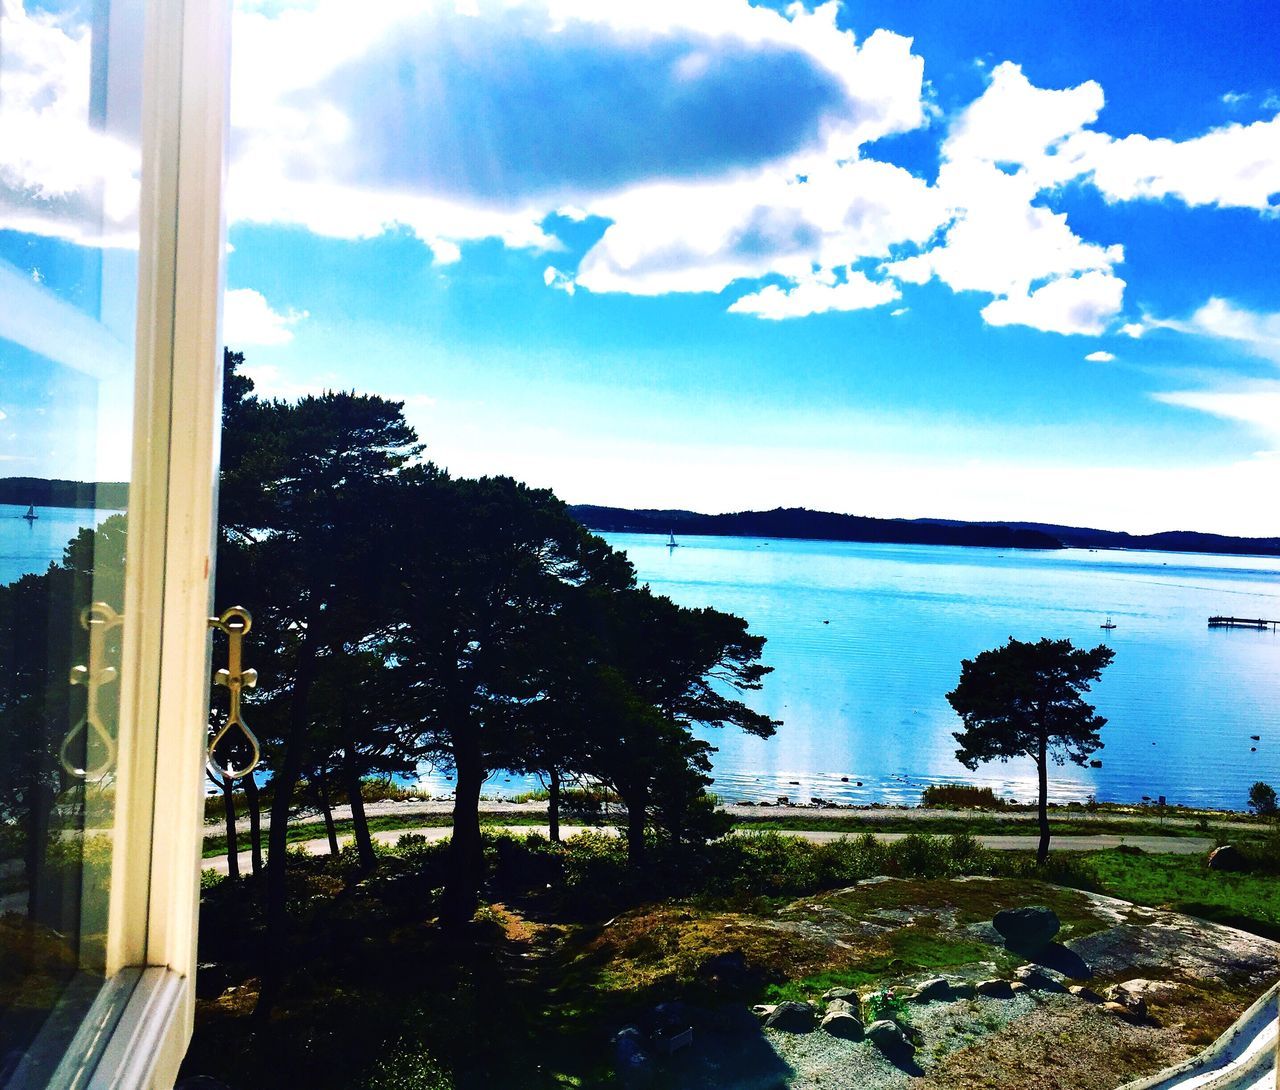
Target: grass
[[1250, 902]]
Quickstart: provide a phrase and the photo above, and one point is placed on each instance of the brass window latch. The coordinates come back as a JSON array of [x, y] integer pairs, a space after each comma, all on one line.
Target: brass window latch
[[98, 620], [235, 624]]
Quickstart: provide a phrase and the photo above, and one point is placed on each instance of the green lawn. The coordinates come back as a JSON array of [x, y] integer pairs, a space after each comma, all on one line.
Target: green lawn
[[1247, 901]]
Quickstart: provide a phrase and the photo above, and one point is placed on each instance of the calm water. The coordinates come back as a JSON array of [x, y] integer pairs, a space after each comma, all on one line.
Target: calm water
[[863, 696], [33, 546]]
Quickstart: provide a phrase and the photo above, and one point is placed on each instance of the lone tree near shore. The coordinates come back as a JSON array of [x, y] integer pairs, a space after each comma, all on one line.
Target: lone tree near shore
[[1262, 799], [1025, 700]]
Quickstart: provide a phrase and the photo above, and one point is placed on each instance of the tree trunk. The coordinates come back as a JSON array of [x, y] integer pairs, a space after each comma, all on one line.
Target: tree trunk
[[322, 796], [1042, 767], [359, 822], [229, 810], [636, 803], [553, 805], [291, 763], [466, 851], [253, 802]]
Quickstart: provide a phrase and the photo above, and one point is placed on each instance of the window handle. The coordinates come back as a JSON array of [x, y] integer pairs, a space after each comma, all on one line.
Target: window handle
[[235, 623], [97, 619]]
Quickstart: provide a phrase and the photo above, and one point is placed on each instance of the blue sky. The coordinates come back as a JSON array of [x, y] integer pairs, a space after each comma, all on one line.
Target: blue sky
[[986, 260]]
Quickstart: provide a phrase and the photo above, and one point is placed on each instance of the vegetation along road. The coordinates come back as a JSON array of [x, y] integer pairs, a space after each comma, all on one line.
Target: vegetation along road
[[1166, 845]]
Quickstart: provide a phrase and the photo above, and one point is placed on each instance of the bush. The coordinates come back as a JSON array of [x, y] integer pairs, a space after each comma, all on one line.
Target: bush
[[960, 796]]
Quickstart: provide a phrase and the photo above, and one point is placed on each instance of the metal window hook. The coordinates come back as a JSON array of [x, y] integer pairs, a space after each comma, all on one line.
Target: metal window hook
[[235, 623], [97, 619]]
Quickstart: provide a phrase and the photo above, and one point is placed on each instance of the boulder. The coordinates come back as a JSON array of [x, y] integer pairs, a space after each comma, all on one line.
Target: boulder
[[763, 1010], [887, 1036], [938, 987], [1228, 858], [840, 1006], [844, 1025], [1030, 929], [1017, 986], [995, 989], [1149, 989], [791, 1017], [847, 994], [964, 990]]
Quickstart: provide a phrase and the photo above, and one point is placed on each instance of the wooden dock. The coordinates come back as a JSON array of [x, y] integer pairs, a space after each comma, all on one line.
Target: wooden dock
[[1243, 622]]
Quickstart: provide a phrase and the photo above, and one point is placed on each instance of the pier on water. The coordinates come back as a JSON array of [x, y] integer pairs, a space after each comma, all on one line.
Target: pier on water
[[1243, 622]]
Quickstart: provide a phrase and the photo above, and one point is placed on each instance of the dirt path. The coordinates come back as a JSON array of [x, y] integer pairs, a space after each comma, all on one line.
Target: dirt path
[[1167, 845]]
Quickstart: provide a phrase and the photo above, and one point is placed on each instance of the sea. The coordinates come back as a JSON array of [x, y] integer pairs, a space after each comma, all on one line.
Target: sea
[[866, 640], [27, 547]]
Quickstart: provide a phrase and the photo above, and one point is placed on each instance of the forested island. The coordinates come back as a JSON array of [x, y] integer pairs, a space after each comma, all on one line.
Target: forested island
[[37, 491], [802, 523]]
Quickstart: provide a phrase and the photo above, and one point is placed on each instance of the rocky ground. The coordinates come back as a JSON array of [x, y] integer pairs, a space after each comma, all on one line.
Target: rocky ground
[[1120, 992]]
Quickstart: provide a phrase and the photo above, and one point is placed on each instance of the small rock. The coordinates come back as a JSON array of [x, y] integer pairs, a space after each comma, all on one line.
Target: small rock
[[1131, 1001], [1148, 989], [844, 1025], [938, 987], [1228, 858], [763, 1010], [791, 1017], [887, 1036], [1030, 929], [840, 1006], [1017, 986], [1080, 991], [847, 994], [1120, 1010], [995, 989]]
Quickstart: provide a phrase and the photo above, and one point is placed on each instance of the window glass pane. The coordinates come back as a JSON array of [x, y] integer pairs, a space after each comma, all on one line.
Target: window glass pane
[[69, 184]]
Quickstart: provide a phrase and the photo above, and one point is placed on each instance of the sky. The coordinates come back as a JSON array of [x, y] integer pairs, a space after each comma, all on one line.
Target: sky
[[980, 261]]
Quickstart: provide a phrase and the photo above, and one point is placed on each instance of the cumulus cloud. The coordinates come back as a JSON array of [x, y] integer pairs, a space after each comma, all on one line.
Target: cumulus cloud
[[1100, 357], [857, 292], [248, 320]]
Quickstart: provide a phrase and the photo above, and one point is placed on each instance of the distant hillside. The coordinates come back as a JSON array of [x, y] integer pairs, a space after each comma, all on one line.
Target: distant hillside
[[799, 522], [103, 495], [1170, 541]]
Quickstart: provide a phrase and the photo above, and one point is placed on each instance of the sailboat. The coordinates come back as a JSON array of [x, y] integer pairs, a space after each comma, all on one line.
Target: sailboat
[[672, 543], [1108, 624], [31, 515]]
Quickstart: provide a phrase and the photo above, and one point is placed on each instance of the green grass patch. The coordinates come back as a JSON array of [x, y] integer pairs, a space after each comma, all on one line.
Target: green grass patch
[[1250, 902]]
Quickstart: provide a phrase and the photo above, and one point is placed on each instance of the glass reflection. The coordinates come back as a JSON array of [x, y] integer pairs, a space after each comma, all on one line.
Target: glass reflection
[[69, 174]]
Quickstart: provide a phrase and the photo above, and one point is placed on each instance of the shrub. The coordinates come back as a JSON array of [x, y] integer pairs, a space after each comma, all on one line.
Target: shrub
[[960, 796]]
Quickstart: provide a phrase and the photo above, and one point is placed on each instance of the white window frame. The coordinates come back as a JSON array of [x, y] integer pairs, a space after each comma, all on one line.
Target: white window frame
[[139, 1028]]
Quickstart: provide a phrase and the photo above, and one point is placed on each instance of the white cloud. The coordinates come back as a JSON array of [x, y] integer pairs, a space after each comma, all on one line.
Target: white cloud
[[1236, 166], [898, 312], [1070, 304], [1233, 99], [60, 174], [1256, 406], [1100, 357], [1219, 318], [248, 320], [857, 292], [1133, 329]]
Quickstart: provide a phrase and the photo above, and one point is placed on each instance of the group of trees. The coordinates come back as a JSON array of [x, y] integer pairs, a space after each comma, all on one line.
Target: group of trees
[[402, 615]]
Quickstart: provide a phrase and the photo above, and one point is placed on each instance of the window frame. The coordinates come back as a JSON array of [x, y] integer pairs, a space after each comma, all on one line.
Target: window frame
[[137, 1031]]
